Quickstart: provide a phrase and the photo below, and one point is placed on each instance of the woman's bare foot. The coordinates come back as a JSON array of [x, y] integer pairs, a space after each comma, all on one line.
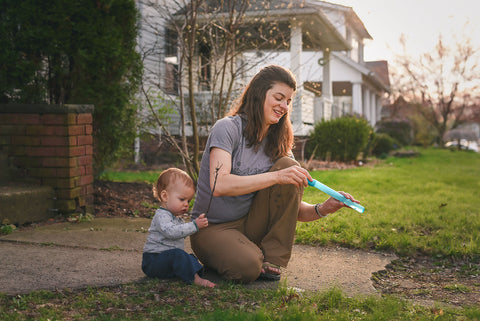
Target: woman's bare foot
[[271, 268], [203, 282], [270, 271]]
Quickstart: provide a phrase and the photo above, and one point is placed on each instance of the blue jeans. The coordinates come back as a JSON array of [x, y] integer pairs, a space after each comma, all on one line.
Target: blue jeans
[[171, 263]]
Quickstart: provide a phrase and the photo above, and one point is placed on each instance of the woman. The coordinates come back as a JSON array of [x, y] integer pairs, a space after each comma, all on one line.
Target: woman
[[257, 185]]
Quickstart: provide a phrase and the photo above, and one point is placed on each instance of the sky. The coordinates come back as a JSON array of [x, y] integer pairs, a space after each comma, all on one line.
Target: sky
[[421, 21]]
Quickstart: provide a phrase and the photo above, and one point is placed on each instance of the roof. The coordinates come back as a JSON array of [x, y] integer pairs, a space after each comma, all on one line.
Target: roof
[[350, 15], [380, 68], [317, 29]]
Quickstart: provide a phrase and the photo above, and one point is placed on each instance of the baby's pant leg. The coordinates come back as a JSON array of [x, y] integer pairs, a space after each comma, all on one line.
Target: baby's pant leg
[[171, 263]]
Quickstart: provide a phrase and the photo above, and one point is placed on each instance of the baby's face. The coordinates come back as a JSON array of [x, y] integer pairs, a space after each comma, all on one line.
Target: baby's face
[[176, 198]]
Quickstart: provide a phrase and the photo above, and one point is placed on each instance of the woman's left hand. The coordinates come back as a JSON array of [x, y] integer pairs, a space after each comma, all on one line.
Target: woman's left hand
[[331, 205]]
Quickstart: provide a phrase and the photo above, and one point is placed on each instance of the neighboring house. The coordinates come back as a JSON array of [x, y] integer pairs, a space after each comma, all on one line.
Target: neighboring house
[[325, 52]]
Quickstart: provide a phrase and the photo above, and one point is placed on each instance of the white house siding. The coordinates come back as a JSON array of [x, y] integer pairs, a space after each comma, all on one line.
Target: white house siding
[[362, 102], [337, 18], [151, 43]]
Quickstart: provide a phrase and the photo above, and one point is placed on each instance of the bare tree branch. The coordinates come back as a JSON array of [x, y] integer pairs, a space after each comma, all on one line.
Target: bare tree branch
[[435, 82]]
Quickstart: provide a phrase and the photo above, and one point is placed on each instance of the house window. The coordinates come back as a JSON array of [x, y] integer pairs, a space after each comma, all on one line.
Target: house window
[[171, 78], [204, 70], [171, 39], [171, 63]]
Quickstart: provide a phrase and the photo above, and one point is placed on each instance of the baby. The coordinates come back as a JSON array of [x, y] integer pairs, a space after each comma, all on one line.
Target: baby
[[163, 254]]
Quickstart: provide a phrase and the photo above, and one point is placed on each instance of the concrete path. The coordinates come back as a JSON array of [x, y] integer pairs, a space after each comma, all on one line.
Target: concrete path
[[108, 251]]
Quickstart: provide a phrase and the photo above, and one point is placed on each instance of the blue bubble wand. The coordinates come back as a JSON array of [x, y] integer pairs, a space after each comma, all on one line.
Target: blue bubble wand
[[336, 195]]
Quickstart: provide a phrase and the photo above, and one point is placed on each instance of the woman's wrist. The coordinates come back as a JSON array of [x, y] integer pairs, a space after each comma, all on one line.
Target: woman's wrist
[[318, 211]]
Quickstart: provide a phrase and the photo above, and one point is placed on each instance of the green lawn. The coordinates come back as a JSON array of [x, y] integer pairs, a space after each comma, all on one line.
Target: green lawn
[[137, 176], [428, 205]]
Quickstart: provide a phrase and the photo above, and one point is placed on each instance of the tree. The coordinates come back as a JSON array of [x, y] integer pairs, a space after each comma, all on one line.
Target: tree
[[206, 40], [439, 83], [74, 52]]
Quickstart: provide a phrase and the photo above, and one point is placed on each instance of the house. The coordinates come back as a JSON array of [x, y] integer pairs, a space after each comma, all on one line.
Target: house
[[323, 45], [335, 80]]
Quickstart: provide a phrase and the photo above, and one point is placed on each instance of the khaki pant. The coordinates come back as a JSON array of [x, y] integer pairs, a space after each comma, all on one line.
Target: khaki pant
[[236, 250]]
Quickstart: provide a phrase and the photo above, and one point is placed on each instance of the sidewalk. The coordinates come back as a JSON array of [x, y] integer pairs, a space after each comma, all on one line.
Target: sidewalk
[[108, 251]]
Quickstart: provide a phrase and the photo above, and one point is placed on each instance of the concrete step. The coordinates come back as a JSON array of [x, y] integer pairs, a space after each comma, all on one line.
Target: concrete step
[[24, 203]]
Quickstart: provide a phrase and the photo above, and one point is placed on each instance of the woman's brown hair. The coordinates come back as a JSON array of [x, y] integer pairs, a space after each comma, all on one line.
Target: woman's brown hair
[[280, 135]]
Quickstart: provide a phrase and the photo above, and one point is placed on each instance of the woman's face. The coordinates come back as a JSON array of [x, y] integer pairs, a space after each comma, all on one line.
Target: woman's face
[[277, 103]]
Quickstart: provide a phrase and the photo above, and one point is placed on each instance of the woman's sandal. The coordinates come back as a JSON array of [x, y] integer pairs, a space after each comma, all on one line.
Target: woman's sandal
[[269, 272]]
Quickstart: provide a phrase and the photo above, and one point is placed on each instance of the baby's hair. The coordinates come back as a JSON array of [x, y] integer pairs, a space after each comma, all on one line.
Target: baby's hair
[[169, 176]]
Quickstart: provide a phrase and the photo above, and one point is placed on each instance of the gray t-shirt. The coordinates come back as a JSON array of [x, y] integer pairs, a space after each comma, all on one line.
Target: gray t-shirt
[[227, 134], [167, 232]]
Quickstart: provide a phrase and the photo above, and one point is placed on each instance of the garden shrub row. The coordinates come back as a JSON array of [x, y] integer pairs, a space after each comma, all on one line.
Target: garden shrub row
[[346, 138], [340, 139]]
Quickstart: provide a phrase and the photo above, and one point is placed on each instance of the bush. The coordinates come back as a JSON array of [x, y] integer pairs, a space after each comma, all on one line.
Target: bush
[[74, 52], [400, 130], [340, 139], [425, 133], [382, 145]]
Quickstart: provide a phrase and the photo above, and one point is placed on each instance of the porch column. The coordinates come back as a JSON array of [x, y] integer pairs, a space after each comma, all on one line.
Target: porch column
[[296, 68], [357, 98], [367, 106], [327, 96], [317, 109], [378, 107], [373, 109]]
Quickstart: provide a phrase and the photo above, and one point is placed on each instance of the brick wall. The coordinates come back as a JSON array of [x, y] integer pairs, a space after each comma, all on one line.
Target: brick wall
[[51, 145]]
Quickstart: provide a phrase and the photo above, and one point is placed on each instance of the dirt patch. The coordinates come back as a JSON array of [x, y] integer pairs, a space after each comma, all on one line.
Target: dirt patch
[[114, 199], [425, 280]]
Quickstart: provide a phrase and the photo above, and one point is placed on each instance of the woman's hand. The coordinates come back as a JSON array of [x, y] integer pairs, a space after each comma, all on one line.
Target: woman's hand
[[332, 205], [307, 212], [295, 175]]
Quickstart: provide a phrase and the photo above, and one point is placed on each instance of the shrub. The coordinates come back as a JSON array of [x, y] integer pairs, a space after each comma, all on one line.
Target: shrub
[[382, 144], [425, 134], [339, 139], [401, 130], [74, 52]]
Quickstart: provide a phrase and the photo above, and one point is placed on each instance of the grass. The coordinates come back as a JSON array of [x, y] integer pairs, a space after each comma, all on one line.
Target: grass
[[136, 176], [425, 205], [161, 300]]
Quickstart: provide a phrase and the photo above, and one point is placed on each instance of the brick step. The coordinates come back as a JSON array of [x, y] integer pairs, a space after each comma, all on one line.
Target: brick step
[[24, 203]]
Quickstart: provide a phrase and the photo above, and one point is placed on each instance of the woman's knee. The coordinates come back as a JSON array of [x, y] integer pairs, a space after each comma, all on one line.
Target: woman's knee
[[243, 267], [284, 162], [235, 259]]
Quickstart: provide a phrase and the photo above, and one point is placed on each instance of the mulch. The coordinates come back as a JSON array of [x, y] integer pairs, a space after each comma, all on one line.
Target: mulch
[[115, 199]]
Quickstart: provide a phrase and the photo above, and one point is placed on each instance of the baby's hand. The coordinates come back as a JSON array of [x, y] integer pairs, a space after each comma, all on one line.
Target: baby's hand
[[201, 221]]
